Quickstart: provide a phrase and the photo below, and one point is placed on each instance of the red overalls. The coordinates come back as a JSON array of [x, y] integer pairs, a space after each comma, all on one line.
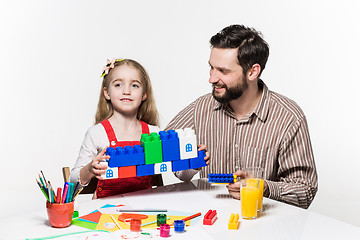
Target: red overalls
[[115, 186]]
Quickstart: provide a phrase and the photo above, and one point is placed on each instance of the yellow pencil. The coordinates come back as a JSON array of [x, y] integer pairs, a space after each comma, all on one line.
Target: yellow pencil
[[117, 224]]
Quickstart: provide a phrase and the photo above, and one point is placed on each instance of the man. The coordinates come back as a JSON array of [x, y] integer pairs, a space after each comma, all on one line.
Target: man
[[244, 124]]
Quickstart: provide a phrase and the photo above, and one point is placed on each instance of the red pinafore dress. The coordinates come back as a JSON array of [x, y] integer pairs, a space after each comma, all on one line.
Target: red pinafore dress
[[115, 186]]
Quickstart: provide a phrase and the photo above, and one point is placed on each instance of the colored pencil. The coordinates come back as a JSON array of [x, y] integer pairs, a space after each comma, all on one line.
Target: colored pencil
[[43, 176], [117, 224], [42, 181], [52, 192], [65, 193], [192, 216], [42, 189], [149, 223], [80, 189], [189, 217], [141, 210]]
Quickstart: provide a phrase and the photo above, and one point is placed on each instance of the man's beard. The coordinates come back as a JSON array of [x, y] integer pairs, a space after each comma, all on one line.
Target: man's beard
[[231, 93]]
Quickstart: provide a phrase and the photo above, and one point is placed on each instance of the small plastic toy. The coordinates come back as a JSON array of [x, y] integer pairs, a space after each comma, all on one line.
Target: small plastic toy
[[179, 225], [152, 148], [164, 230], [170, 145], [210, 217], [216, 178], [187, 141], [234, 222], [128, 156]]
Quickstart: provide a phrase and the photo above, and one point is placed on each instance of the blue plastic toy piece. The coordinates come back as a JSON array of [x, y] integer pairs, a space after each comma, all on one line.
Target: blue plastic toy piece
[[199, 161], [180, 165], [170, 145], [128, 156], [179, 225], [145, 170], [222, 178]]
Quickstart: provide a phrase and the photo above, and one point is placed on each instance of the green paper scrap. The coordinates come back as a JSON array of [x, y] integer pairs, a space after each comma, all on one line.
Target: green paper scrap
[[84, 224]]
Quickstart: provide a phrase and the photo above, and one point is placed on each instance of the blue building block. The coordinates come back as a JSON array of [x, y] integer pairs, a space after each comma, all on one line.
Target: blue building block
[[170, 145], [128, 156], [222, 178], [145, 170], [199, 161], [180, 165]]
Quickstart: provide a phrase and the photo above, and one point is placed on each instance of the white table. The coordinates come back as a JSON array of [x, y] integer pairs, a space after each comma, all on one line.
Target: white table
[[278, 221]]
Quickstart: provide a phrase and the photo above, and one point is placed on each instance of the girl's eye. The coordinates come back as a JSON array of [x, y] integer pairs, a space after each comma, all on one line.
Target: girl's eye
[[135, 85], [117, 84]]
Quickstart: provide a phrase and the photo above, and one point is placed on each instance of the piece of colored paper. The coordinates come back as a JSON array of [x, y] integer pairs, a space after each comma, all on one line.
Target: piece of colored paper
[[84, 224]]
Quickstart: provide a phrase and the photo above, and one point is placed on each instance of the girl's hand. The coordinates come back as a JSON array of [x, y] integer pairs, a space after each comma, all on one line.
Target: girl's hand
[[95, 167]]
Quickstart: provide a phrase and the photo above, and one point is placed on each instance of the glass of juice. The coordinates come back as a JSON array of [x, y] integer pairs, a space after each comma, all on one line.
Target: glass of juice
[[249, 192], [258, 174]]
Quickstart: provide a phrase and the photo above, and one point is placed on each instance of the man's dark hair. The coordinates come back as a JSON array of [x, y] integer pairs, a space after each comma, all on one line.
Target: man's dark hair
[[251, 47]]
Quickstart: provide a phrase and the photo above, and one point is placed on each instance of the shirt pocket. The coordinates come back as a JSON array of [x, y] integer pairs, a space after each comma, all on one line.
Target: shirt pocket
[[254, 157]]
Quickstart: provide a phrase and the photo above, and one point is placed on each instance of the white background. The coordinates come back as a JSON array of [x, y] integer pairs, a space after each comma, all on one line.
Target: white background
[[52, 54]]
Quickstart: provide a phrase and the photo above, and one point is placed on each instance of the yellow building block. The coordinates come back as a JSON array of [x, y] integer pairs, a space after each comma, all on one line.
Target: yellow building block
[[234, 222]]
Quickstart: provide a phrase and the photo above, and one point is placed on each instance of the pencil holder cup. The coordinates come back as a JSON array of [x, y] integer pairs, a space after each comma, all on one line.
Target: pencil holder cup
[[60, 214]]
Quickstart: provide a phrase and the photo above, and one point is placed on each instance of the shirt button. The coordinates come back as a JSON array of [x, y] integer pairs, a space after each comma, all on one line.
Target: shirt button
[[236, 145]]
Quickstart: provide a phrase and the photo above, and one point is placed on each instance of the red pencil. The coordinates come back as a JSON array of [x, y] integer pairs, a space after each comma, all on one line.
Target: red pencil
[[58, 195], [192, 216], [189, 217]]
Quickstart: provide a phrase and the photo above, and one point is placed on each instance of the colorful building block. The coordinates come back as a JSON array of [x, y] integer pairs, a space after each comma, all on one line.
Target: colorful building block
[[162, 167], [152, 147], [210, 217], [216, 178], [187, 141], [110, 173], [180, 165], [145, 170], [158, 153], [128, 156], [234, 222], [125, 172], [199, 161], [170, 145]]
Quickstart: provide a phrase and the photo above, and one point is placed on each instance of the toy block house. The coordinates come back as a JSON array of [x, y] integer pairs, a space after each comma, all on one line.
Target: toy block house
[[161, 152]]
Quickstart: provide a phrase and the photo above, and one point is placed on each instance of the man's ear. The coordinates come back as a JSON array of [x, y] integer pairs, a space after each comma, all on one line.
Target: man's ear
[[106, 94], [254, 72]]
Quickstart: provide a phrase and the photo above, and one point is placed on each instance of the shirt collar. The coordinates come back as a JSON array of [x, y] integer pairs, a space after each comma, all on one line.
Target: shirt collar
[[260, 111]]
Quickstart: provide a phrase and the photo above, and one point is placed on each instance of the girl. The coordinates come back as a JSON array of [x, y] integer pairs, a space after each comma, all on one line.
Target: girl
[[126, 109]]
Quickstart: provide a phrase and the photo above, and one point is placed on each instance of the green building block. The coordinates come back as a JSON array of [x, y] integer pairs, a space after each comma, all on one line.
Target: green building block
[[152, 148]]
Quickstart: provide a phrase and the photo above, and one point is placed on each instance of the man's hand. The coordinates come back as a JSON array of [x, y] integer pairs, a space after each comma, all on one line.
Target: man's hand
[[207, 155], [234, 188]]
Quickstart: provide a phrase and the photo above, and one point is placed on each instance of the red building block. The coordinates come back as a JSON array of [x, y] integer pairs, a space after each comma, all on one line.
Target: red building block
[[125, 172], [210, 217]]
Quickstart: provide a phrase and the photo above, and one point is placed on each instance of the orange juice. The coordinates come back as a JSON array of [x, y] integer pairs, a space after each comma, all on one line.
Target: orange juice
[[249, 201], [261, 194], [255, 182]]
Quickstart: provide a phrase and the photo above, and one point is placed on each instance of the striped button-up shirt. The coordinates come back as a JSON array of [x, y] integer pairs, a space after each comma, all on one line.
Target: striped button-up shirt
[[273, 136]]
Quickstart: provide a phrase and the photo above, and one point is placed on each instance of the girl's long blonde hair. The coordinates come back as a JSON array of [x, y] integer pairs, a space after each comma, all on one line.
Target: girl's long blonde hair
[[147, 111]]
